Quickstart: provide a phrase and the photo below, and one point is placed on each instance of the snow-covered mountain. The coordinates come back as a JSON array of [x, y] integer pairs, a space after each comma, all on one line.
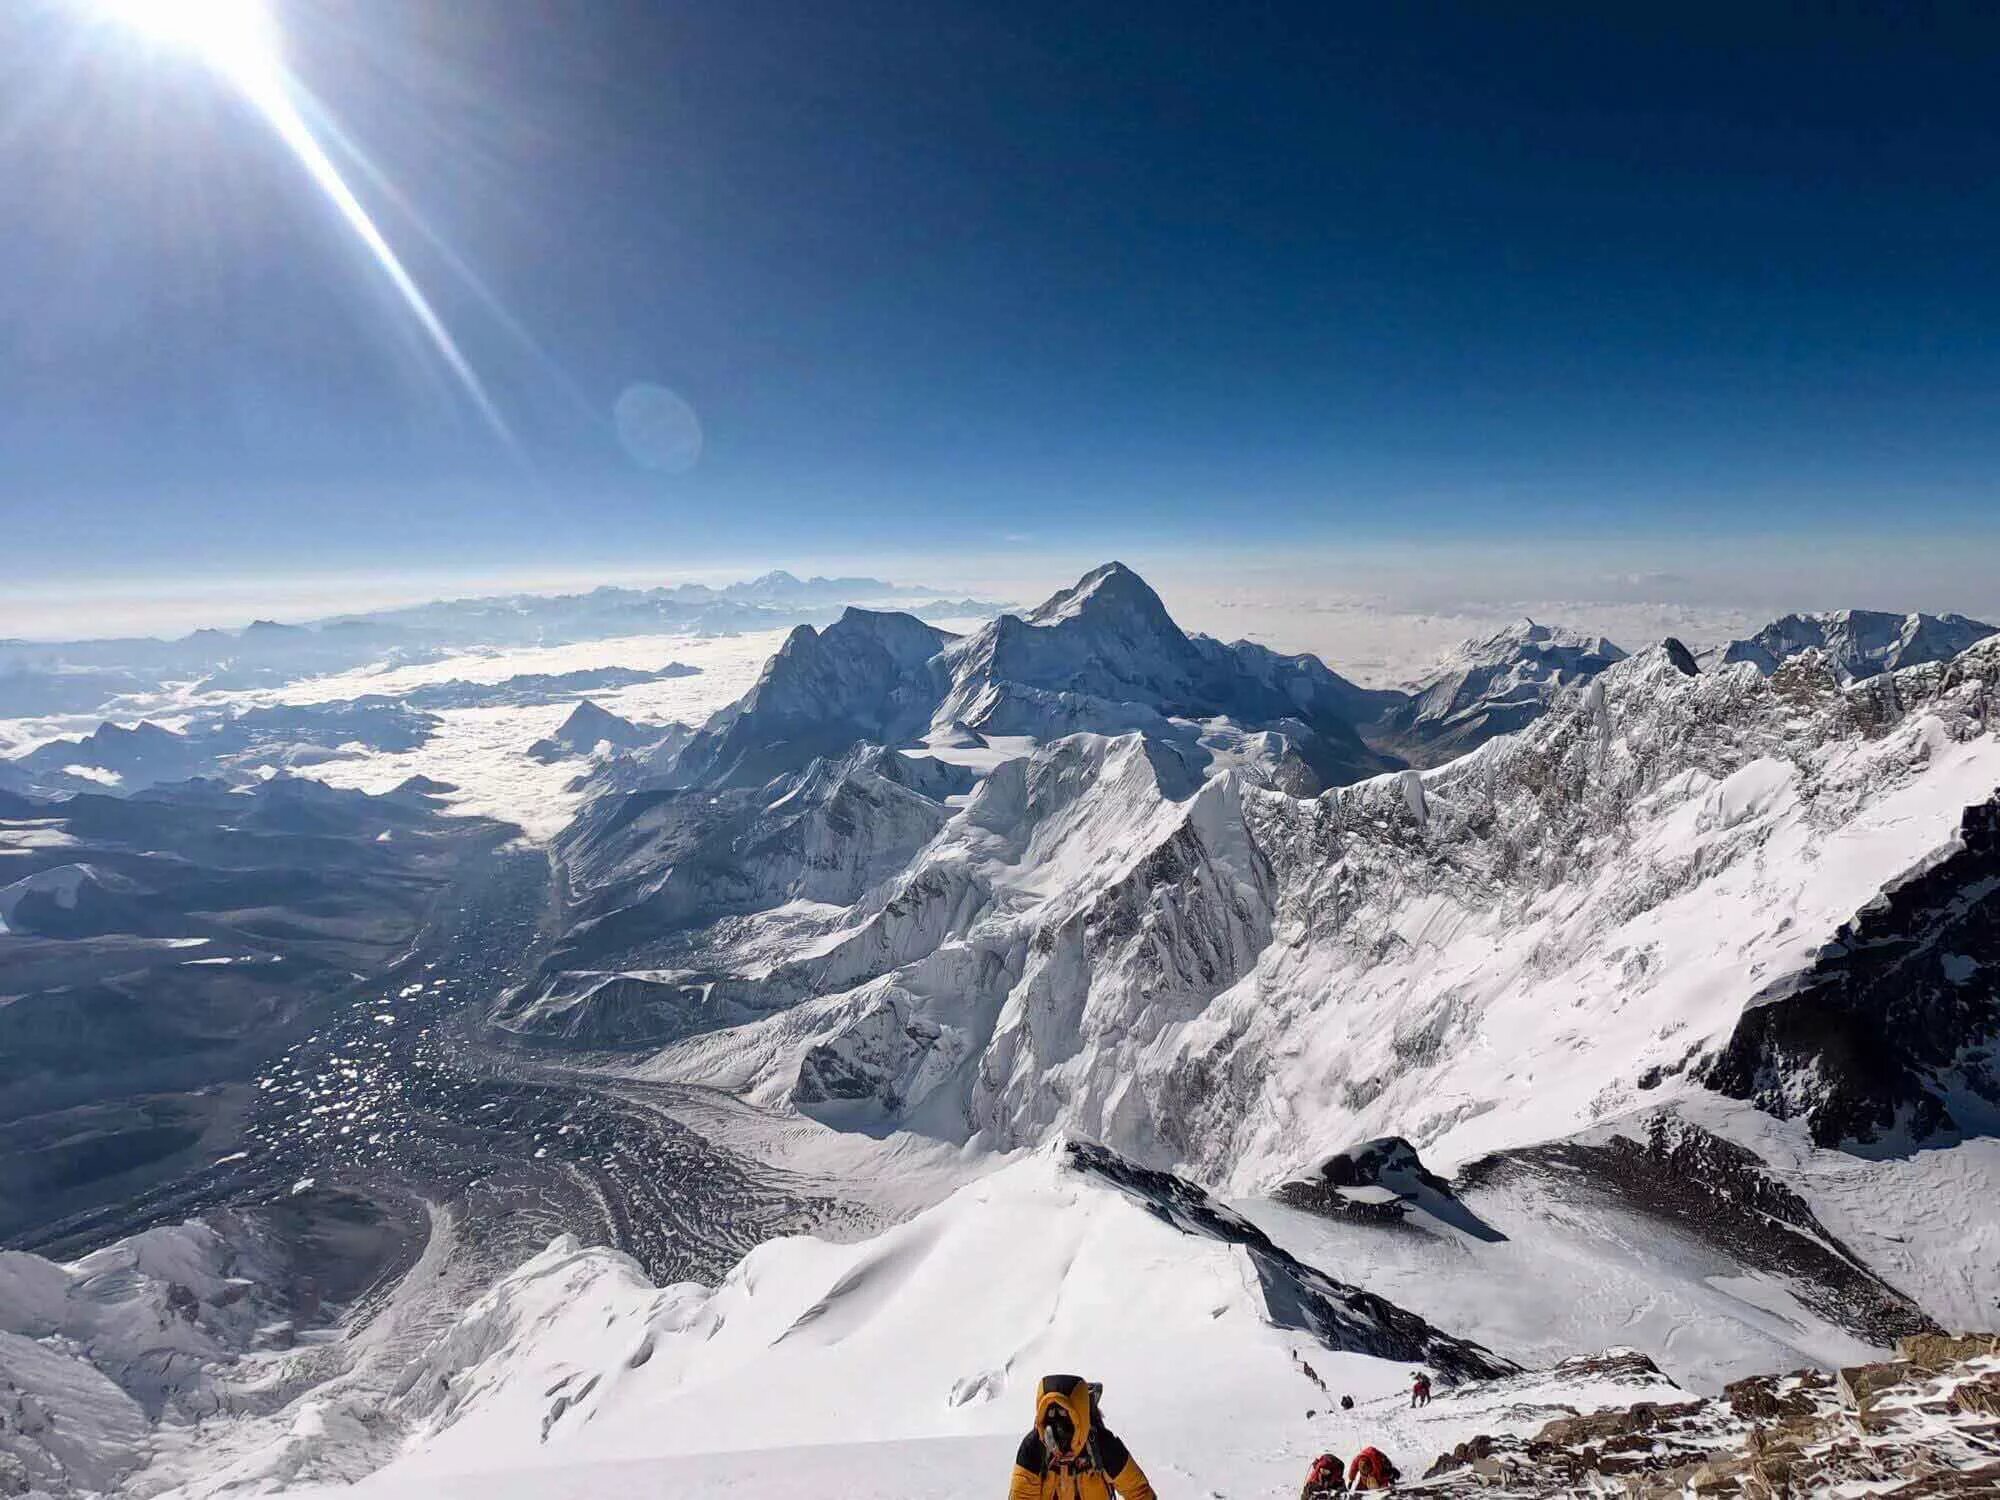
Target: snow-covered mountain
[[1615, 919], [865, 678], [1487, 688], [1062, 1259], [1196, 969], [1857, 642], [1677, 984], [1228, 1356], [1102, 656]]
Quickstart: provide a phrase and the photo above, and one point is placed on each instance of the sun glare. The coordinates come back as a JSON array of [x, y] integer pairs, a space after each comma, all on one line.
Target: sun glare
[[235, 37], [239, 40]]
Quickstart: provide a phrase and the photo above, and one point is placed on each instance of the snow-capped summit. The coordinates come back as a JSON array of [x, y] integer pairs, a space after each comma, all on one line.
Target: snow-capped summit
[[1110, 590], [1108, 637], [1858, 642], [1105, 656], [1102, 656], [1490, 687]]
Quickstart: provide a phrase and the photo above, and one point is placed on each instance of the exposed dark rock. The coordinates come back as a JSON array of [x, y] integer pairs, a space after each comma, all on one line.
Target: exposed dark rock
[[1680, 656], [1297, 1296], [1353, 1185], [1889, 1036], [1718, 1193]]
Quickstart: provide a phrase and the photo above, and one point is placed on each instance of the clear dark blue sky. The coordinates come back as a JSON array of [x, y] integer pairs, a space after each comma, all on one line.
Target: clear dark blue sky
[[943, 273]]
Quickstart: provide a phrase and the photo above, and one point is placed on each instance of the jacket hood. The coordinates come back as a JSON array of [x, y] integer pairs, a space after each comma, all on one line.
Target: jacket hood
[[1072, 1394]]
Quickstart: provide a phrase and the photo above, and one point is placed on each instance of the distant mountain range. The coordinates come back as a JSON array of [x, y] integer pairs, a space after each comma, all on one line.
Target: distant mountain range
[[72, 677], [1857, 642]]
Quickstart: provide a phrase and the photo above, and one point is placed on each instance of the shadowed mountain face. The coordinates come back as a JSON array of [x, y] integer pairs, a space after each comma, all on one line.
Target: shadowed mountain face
[[864, 678], [1892, 1034], [155, 949]]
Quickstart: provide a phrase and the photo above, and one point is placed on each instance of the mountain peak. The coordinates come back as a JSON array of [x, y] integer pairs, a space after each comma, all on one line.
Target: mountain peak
[[1108, 591], [1859, 642], [588, 715]]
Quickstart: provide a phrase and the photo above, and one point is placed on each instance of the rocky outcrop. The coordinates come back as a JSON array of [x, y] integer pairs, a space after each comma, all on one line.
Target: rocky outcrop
[[1892, 1034], [1340, 1316], [1898, 1428], [1382, 1182], [1714, 1192]]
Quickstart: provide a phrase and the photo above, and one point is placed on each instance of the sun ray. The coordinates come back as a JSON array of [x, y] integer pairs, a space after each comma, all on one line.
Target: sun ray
[[238, 39]]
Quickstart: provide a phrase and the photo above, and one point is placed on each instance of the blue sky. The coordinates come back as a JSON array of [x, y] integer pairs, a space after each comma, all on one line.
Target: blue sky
[[940, 278]]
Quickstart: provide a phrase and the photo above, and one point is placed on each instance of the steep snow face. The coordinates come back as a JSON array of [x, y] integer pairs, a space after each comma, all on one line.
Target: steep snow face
[[1857, 642], [1575, 912], [1504, 950], [1491, 687]]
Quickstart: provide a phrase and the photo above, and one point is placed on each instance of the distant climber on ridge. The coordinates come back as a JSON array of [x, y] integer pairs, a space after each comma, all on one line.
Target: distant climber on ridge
[[1310, 1373], [1420, 1389], [1070, 1454]]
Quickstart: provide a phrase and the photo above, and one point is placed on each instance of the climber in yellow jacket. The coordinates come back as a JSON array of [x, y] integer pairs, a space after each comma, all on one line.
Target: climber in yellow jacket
[[1071, 1454]]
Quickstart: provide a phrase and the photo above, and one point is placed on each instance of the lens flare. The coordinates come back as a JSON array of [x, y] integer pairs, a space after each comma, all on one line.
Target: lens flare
[[239, 41]]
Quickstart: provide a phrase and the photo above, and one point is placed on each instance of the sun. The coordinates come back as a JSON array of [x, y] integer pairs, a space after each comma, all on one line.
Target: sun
[[235, 37], [238, 40]]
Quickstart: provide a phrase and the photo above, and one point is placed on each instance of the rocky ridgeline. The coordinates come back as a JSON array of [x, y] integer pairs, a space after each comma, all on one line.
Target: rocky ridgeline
[[1925, 1423]]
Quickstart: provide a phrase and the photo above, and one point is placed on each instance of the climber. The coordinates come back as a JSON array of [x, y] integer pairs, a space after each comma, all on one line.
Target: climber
[[1371, 1470], [1310, 1373], [1347, 1403], [1324, 1482], [1071, 1454], [1420, 1389]]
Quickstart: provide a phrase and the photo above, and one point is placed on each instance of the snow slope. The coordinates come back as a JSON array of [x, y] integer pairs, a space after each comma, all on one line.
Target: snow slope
[[93, 1353], [907, 1364]]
